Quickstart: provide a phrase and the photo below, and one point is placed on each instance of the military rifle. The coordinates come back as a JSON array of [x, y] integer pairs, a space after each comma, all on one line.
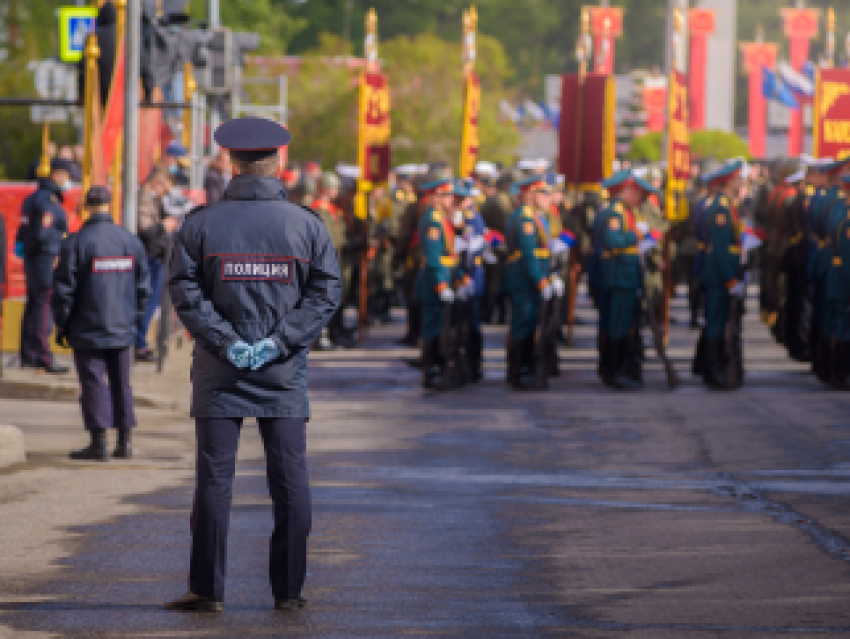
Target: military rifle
[[541, 372], [449, 350]]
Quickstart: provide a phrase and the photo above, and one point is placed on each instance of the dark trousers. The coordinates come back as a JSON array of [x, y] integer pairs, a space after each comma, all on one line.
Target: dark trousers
[[36, 326], [105, 405], [285, 442]]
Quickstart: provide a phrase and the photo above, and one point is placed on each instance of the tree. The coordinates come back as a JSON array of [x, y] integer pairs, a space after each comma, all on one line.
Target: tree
[[715, 145], [425, 92], [265, 17]]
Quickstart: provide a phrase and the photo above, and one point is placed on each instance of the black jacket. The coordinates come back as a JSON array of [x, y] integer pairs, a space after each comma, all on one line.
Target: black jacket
[[253, 266], [43, 225], [100, 286]]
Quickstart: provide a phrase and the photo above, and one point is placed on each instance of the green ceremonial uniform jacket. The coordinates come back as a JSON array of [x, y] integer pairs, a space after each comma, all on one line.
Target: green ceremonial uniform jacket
[[619, 265], [438, 260], [722, 233], [528, 240]]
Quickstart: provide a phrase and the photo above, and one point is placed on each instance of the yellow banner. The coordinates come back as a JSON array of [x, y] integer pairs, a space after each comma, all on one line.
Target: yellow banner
[[469, 136]]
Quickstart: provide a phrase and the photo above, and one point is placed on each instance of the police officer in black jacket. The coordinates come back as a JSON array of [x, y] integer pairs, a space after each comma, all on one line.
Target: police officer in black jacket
[[99, 291], [43, 225], [254, 278]]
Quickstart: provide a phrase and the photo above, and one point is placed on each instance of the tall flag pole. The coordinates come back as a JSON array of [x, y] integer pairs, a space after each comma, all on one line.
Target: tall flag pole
[[469, 143], [373, 144], [678, 143], [801, 25], [701, 24], [757, 55]]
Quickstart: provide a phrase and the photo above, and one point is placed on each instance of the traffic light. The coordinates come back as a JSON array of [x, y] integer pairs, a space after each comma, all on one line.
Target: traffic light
[[215, 59]]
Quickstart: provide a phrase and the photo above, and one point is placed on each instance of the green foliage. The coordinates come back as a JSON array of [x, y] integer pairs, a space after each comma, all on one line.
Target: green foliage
[[426, 97], [717, 145], [276, 27], [20, 139], [645, 148]]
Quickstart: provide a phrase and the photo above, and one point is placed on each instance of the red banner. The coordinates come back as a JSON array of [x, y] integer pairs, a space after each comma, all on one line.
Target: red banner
[[374, 128], [586, 135], [655, 104], [113, 120], [832, 113], [469, 135], [12, 195]]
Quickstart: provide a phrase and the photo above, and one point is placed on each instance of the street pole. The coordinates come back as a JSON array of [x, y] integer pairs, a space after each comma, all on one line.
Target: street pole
[[130, 183], [213, 16]]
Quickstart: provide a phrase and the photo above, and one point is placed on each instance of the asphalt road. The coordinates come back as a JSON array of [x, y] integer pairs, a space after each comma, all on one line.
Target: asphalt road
[[481, 512]]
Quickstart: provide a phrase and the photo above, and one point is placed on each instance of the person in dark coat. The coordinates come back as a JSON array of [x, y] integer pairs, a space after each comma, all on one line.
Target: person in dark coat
[[43, 225], [217, 177], [254, 279], [100, 289]]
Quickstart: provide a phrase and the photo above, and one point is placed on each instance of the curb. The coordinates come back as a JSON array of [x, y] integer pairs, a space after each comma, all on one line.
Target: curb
[[59, 392], [13, 449]]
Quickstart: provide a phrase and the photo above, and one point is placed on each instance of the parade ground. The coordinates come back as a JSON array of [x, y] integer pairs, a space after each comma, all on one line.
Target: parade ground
[[480, 512]]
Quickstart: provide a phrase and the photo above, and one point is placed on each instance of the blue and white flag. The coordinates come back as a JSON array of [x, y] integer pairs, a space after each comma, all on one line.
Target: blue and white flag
[[799, 82], [773, 88]]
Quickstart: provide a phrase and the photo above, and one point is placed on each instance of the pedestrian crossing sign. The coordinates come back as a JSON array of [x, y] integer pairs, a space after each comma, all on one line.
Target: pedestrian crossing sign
[[75, 23]]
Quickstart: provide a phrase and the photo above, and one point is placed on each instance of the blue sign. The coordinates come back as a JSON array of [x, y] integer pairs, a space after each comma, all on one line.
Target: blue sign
[[75, 23]]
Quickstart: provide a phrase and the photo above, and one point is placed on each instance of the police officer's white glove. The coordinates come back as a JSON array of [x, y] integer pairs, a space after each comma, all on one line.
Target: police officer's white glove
[[240, 354], [462, 295], [447, 296], [546, 292], [643, 227], [557, 286], [738, 290]]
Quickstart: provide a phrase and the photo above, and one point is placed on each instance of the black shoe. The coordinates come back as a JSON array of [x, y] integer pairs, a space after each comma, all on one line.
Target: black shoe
[[190, 602], [408, 340], [343, 341], [145, 355], [290, 604], [97, 450], [123, 447], [54, 369]]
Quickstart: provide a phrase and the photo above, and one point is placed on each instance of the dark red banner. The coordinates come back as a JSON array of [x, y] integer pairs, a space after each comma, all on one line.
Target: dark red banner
[[586, 135]]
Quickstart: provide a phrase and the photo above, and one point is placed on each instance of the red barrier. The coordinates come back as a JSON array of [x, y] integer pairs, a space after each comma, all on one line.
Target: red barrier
[[12, 195]]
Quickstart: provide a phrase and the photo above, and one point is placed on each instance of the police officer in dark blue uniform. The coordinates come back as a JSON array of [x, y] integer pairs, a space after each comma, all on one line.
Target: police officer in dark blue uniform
[[99, 290], [254, 279], [43, 225]]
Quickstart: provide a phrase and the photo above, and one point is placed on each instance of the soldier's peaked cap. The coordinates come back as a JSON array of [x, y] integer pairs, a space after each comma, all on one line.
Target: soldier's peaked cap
[[837, 165], [440, 185], [623, 178], [252, 138], [726, 172]]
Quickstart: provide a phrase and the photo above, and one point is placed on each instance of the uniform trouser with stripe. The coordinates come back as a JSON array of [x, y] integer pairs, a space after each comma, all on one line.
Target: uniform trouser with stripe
[[36, 327], [285, 443], [105, 405]]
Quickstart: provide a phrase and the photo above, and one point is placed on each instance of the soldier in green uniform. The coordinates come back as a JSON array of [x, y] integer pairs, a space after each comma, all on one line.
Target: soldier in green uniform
[[618, 279], [838, 293], [722, 274], [650, 219], [822, 225], [436, 280], [327, 192], [406, 256], [495, 211], [526, 279]]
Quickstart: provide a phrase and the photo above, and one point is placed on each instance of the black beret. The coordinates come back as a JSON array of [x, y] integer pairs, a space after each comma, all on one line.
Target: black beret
[[60, 164], [98, 196], [252, 134]]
